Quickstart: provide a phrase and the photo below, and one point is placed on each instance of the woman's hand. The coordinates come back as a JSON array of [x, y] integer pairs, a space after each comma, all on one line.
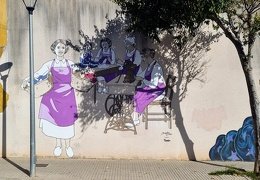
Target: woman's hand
[[109, 59], [26, 84], [120, 68], [119, 61]]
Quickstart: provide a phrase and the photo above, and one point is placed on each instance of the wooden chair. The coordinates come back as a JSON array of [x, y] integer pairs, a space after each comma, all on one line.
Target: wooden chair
[[165, 104]]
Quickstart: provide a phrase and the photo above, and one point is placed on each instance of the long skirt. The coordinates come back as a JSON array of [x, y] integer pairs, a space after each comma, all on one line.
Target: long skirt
[[144, 96]]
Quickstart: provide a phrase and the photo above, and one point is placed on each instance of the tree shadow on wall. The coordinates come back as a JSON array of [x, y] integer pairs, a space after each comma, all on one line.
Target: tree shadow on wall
[[182, 56], [88, 111]]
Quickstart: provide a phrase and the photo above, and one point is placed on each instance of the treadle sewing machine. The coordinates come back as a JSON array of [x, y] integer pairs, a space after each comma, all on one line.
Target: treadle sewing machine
[[119, 103]]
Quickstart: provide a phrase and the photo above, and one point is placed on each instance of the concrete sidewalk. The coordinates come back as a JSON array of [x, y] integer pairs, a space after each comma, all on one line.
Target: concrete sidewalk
[[101, 169]]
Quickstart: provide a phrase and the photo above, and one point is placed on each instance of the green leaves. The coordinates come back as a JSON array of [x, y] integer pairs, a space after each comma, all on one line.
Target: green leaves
[[239, 19], [151, 17]]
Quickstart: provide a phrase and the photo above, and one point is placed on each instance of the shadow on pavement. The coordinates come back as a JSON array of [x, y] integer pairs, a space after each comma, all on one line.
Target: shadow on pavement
[[26, 171], [220, 165]]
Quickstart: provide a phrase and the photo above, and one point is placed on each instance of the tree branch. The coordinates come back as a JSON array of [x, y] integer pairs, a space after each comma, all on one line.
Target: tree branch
[[229, 35]]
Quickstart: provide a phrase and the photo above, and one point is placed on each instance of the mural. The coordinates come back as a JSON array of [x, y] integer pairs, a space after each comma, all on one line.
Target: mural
[[58, 110], [144, 69], [181, 56], [235, 145], [186, 58], [127, 85]]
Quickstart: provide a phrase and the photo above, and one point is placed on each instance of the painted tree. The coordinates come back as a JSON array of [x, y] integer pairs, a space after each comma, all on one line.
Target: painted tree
[[239, 20]]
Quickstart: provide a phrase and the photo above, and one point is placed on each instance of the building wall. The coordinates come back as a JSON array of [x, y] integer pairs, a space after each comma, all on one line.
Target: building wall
[[214, 107]]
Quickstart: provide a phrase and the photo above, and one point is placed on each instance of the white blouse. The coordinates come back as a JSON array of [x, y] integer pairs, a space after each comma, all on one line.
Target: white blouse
[[137, 57], [45, 69], [156, 75]]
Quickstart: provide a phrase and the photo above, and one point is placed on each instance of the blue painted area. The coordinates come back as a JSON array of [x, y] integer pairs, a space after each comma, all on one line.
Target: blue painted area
[[235, 145], [87, 61], [40, 78]]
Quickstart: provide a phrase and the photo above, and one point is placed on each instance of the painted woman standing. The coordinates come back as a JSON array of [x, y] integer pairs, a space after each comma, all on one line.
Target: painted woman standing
[[58, 110]]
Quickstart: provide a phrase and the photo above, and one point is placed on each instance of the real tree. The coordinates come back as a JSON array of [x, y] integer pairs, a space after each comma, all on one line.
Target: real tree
[[238, 19]]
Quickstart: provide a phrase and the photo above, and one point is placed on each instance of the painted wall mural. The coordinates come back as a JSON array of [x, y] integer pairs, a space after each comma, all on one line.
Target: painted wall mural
[[97, 127], [235, 145], [58, 108], [125, 99]]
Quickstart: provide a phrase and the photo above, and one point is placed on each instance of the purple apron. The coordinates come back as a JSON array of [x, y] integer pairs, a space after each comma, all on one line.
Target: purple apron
[[58, 105], [144, 96]]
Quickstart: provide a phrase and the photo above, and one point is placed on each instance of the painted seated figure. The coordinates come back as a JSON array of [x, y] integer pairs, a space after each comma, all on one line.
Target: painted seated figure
[[132, 60], [153, 84], [105, 56], [86, 56], [85, 49]]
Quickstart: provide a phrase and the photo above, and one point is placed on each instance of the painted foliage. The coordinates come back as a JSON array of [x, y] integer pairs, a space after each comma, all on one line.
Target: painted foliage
[[235, 145]]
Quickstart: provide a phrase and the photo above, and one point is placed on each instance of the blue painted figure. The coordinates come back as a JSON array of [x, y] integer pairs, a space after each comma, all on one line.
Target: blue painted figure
[[86, 56]]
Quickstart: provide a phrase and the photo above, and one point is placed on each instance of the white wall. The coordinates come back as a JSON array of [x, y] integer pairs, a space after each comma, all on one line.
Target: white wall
[[210, 109]]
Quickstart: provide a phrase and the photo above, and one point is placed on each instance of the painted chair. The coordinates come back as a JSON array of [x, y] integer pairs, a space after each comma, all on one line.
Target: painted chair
[[165, 103]]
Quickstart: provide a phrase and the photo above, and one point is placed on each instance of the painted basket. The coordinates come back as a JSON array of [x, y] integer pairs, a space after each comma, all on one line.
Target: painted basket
[[80, 83]]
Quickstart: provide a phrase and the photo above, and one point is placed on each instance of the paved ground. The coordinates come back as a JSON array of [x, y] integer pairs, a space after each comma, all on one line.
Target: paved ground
[[105, 169]]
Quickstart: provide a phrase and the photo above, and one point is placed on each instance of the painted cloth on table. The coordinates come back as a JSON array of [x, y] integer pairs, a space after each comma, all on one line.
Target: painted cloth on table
[[111, 76], [58, 105], [133, 57], [147, 94]]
